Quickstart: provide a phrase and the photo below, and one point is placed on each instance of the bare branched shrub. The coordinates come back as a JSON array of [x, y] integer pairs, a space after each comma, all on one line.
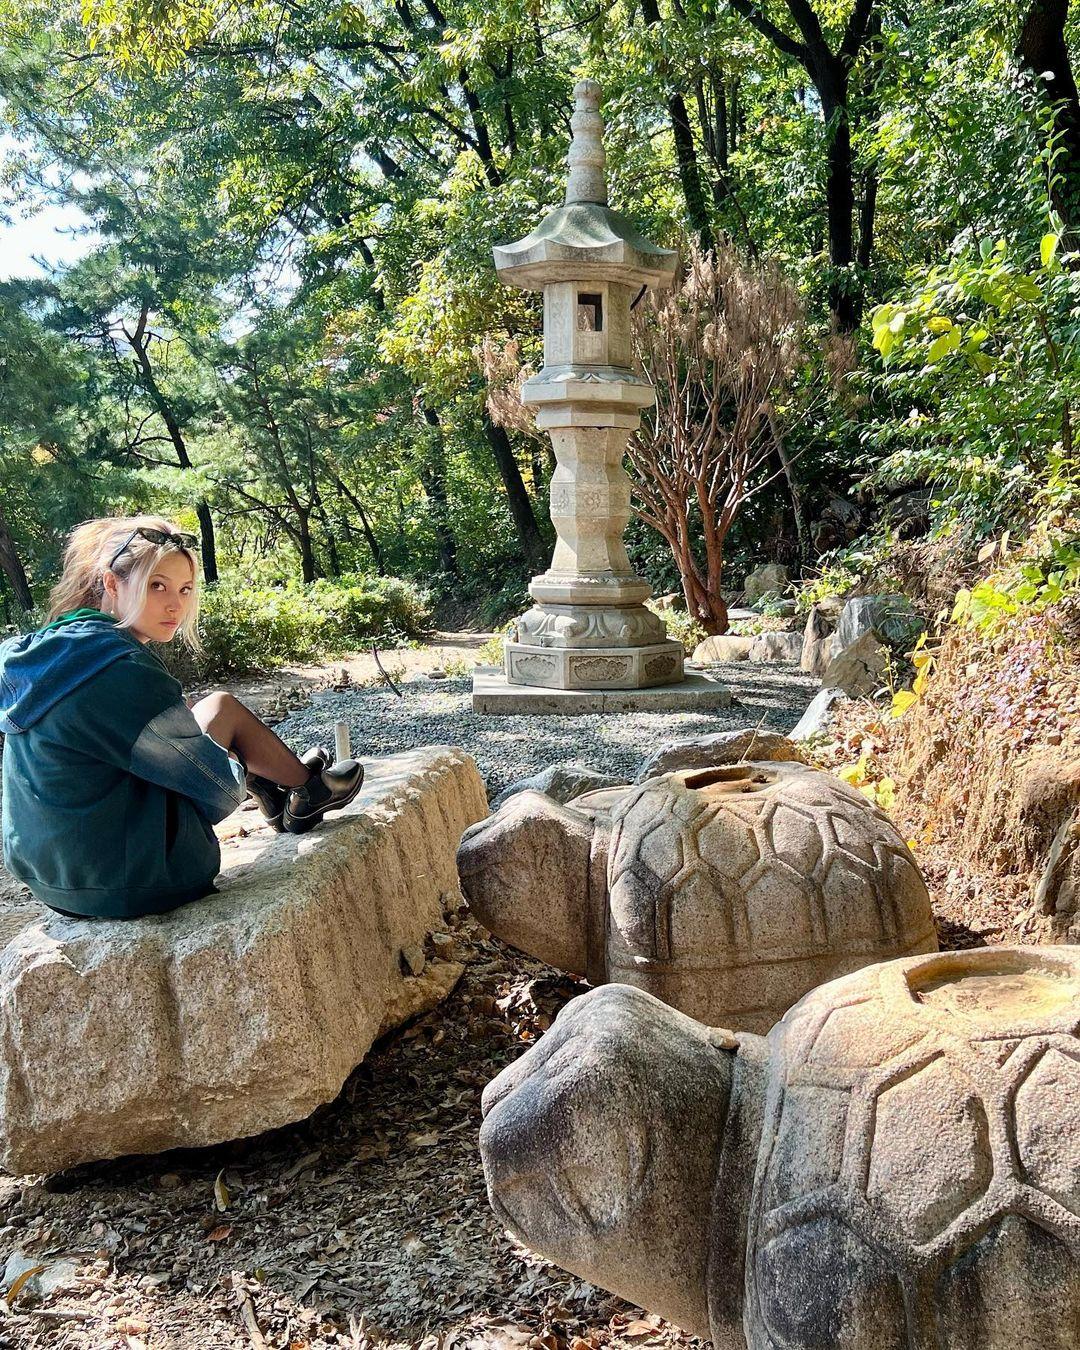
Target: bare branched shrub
[[721, 348], [504, 373]]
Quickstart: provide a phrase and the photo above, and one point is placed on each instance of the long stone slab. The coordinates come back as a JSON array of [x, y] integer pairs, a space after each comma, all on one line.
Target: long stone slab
[[492, 693], [244, 1011]]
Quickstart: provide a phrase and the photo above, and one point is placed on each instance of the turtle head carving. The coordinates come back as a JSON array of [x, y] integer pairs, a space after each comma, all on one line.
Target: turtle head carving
[[898, 1164], [585, 1152], [500, 861]]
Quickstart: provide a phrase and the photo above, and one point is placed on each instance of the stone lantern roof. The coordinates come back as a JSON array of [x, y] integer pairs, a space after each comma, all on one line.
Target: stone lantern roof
[[585, 239]]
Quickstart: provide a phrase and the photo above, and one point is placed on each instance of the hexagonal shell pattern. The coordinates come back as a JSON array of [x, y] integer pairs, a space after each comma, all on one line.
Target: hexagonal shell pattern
[[918, 1180], [733, 891]]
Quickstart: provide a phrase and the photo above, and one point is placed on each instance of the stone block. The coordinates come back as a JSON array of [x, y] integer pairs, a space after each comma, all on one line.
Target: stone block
[[858, 669], [493, 694], [727, 892], [776, 647], [244, 1011], [724, 647], [594, 667], [719, 747], [896, 1164], [768, 578]]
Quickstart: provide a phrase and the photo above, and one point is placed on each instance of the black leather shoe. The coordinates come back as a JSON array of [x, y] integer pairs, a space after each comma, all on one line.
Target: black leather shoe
[[270, 797], [327, 790]]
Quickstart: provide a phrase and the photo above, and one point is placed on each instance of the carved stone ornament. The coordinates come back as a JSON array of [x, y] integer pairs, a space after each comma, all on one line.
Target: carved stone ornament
[[590, 262], [897, 1165], [728, 892]]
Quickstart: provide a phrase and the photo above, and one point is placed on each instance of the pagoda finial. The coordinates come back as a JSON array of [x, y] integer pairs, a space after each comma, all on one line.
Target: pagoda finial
[[586, 182]]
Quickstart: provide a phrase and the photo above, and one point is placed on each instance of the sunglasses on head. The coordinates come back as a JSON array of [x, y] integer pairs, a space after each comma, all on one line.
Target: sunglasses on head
[[156, 537]]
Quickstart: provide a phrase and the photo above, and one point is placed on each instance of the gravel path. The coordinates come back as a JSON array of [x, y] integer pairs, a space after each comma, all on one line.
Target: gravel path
[[509, 748]]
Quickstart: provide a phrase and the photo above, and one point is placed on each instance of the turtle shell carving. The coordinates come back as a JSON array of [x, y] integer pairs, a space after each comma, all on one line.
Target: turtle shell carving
[[727, 892], [896, 1167]]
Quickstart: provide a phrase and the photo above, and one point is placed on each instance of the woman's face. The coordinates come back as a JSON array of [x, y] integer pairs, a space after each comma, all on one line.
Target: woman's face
[[169, 595]]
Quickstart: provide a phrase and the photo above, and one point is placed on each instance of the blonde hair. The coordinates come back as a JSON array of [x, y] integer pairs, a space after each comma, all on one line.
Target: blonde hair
[[87, 555]]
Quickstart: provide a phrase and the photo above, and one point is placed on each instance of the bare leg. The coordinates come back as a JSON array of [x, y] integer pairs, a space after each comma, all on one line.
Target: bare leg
[[237, 728]]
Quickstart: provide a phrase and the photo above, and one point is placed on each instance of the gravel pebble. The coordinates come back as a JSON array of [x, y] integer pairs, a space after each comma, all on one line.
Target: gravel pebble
[[507, 749]]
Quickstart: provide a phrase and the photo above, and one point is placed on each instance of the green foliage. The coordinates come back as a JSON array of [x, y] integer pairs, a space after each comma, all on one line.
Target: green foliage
[[246, 627], [982, 368], [1028, 585], [682, 627]]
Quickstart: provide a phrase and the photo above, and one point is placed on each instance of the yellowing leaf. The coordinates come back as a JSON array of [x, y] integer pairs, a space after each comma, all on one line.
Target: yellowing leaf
[[221, 1193], [902, 701], [939, 324], [1047, 248], [19, 1283]]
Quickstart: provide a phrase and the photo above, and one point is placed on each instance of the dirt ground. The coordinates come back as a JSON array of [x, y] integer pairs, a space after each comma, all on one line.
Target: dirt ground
[[365, 1225]]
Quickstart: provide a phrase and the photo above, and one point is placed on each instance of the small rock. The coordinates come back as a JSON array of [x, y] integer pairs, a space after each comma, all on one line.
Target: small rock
[[444, 946], [723, 647], [857, 669], [819, 716], [413, 960], [777, 647], [560, 782]]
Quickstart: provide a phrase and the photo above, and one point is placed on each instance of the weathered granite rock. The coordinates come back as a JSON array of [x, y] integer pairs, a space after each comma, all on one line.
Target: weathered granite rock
[[244, 1011], [858, 669], [674, 601], [776, 647], [1057, 891], [819, 716], [717, 748], [891, 619], [817, 640], [769, 577], [726, 892], [560, 782], [897, 1165], [725, 647]]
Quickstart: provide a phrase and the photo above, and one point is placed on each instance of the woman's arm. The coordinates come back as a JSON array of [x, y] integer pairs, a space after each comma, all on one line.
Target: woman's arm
[[174, 752]]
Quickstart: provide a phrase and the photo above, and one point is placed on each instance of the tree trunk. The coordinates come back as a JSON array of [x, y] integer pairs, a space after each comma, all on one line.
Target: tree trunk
[[839, 201], [11, 565], [308, 566], [365, 523], [433, 480], [798, 509], [206, 537], [1042, 49], [533, 548], [685, 154], [139, 344]]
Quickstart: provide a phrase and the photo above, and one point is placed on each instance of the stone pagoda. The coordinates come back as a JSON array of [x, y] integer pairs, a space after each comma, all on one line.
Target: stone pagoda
[[589, 628]]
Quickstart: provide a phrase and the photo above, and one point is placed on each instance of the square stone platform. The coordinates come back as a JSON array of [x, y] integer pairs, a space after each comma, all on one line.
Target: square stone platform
[[493, 694]]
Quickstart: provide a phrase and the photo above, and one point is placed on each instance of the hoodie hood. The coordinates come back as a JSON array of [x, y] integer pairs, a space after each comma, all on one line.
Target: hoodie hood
[[38, 669]]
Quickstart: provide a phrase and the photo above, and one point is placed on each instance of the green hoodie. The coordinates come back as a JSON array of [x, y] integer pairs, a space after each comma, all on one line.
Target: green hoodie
[[111, 787]]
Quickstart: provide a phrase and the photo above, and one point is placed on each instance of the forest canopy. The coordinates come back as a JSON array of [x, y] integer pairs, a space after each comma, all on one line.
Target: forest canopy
[[285, 319]]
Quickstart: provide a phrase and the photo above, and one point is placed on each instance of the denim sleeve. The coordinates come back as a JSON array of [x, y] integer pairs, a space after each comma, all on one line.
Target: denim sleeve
[[174, 752]]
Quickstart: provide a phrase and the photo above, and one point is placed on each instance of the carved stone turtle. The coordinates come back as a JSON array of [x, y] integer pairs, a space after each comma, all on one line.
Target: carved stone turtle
[[726, 892], [897, 1167]]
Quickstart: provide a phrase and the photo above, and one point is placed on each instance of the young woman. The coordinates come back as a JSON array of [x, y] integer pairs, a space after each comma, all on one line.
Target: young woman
[[111, 783]]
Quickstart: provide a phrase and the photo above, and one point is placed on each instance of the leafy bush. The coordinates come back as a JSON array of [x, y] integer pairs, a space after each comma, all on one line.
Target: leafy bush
[[245, 626], [980, 368]]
